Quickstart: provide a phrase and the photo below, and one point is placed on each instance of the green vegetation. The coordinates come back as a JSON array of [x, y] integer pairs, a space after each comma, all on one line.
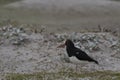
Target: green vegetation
[[99, 75]]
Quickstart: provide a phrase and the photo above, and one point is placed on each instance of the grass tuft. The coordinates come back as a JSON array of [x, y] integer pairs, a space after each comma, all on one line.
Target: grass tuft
[[64, 75]]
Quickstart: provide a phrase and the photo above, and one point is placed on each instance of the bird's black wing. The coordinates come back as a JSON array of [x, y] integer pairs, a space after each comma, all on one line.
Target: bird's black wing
[[70, 52], [81, 55]]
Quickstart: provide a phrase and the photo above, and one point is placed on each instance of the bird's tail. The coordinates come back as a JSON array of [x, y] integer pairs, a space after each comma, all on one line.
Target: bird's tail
[[96, 62], [92, 60]]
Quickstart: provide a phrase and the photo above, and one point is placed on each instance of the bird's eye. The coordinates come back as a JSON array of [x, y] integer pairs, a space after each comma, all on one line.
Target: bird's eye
[[77, 52]]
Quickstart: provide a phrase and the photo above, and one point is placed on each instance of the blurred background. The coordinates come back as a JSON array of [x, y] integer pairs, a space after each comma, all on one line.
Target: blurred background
[[63, 15]]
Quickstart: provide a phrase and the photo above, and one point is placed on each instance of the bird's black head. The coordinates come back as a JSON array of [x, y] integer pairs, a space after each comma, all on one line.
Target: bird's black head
[[69, 43]]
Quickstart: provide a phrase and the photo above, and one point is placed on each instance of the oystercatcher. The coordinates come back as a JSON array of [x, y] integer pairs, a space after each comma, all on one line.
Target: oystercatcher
[[74, 51]]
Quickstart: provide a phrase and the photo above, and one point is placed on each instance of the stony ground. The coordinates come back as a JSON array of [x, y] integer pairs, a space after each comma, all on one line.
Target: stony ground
[[21, 52]]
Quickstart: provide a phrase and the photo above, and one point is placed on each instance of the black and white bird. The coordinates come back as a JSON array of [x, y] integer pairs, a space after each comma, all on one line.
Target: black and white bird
[[74, 51]]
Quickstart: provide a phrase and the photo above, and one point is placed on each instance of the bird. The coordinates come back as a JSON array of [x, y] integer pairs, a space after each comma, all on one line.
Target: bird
[[74, 51]]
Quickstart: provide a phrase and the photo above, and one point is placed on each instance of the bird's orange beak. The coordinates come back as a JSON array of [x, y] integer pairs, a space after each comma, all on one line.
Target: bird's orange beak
[[61, 46]]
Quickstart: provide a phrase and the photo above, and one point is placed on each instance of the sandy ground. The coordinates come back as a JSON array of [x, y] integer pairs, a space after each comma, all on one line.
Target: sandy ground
[[75, 15]]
